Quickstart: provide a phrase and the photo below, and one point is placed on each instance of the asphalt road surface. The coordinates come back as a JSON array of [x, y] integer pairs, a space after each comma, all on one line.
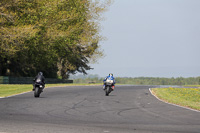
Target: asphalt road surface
[[86, 109]]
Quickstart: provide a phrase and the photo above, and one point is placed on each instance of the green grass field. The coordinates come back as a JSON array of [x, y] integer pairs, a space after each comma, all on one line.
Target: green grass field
[[187, 97], [9, 90]]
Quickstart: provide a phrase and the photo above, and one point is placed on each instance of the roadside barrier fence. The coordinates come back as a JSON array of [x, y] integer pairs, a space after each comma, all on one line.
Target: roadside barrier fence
[[29, 80]]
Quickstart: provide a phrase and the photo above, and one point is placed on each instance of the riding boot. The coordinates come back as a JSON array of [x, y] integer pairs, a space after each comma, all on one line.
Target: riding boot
[[33, 87], [104, 87]]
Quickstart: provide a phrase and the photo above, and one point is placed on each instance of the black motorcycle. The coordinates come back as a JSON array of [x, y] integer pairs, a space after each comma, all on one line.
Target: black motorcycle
[[109, 87], [39, 86]]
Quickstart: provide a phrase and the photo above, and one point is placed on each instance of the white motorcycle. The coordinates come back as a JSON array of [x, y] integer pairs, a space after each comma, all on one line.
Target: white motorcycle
[[109, 87]]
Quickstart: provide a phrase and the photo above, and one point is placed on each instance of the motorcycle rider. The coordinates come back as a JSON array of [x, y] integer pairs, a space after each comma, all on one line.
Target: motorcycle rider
[[110, 77], [40, 77]]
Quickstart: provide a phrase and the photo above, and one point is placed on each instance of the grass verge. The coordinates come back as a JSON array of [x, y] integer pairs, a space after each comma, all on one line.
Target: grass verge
[[187, 97], [9, 90]]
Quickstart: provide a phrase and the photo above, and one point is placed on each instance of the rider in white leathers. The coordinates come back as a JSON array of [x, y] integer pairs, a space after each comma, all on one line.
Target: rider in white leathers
[[109, 77]]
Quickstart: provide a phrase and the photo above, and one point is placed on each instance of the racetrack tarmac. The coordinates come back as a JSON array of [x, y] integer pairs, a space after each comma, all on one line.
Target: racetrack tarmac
[[86, 109]]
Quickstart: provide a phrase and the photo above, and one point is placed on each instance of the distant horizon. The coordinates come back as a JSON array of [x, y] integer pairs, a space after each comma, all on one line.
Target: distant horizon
[[148, 77], [99, 76], [168, 72]]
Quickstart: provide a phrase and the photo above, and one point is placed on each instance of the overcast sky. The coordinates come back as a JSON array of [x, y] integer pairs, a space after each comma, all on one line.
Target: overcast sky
[[151, 38]]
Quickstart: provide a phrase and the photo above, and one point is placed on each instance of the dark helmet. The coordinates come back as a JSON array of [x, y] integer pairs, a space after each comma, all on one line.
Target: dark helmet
[[110, 74], [40, 73]]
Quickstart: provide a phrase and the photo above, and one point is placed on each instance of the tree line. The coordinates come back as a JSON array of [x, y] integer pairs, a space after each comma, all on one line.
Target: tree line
[[57, 37], [142, 80]]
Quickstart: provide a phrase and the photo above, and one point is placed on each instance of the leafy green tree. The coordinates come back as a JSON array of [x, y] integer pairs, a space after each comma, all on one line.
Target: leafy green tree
[[58, 37]]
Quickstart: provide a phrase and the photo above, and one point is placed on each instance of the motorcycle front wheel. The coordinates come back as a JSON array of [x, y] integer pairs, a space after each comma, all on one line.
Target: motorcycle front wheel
[[37, 92], [107, 91]]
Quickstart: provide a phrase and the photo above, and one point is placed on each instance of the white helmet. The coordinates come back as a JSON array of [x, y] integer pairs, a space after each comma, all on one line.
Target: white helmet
[[110, 74]]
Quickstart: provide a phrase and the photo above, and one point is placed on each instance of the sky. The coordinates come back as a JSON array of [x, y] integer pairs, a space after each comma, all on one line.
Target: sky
[[150, 38]]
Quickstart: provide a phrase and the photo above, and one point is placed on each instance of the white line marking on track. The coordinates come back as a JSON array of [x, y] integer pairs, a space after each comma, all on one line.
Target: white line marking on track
[[14, 95], [172, 103], [46, 88], [24, 93]]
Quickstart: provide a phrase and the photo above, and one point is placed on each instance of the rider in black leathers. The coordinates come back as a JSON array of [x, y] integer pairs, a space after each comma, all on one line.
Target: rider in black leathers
[[41, 77]]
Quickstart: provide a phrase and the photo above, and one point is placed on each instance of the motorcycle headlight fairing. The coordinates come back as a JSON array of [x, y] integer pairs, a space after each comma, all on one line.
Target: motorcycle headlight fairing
[[38, 80]]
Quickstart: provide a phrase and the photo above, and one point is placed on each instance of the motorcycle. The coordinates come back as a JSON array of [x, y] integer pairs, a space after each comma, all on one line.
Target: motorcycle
[[109, 87], [39, 86]]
